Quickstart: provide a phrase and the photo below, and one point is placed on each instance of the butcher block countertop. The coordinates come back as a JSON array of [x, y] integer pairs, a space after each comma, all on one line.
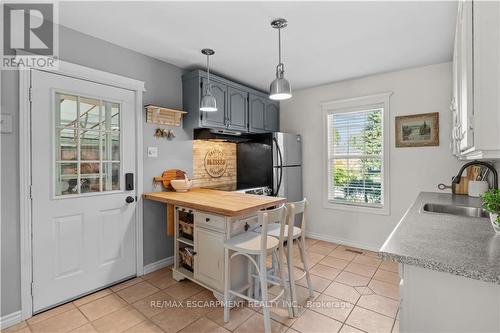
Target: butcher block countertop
[[216, 202]]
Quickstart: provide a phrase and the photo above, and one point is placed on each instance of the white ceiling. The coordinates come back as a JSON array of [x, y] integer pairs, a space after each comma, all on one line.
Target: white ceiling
[[324, 42]]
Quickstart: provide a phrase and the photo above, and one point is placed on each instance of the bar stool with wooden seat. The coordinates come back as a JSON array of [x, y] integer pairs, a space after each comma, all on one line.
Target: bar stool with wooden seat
[[294, 234], [256, 247]]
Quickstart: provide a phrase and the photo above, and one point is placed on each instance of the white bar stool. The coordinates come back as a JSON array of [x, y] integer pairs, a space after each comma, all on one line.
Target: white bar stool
[[297, 234], [254, 246]]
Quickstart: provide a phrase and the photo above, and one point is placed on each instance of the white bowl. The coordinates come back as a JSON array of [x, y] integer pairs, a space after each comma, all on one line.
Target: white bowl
[[181, 185]]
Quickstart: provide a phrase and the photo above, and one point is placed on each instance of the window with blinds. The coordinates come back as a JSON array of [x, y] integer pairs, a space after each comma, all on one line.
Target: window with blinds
[[355, 156]]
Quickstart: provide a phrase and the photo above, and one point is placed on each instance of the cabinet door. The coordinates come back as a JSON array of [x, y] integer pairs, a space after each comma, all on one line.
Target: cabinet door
[[209, 258], [216, 118], [237, 109], [466, 108], [272, 117], [455, 114], [257, 113]]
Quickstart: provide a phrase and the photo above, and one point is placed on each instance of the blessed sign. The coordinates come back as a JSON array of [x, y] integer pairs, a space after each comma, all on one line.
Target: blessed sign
[[215, 162]]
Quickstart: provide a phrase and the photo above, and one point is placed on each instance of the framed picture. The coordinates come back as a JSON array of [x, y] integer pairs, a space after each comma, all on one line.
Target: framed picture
[[418, 130]]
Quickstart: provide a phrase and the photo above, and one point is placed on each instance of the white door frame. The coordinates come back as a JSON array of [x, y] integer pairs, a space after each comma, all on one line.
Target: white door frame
[[89, 74]]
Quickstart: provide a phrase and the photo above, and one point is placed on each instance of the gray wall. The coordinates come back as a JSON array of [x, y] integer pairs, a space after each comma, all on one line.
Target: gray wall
[[164, 87], [412, 170], [10, 269]]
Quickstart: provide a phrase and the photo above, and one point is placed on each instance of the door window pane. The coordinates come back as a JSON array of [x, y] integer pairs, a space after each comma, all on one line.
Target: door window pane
[[87, 144], [90, 177], [111, 146], [67, 178], [90, 143], [67, 144], [90, 113], [111, 176], [113, 109], [68, 112]]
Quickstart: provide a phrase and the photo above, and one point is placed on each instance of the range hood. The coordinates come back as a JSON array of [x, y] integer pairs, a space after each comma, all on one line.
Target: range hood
[[226, 135]]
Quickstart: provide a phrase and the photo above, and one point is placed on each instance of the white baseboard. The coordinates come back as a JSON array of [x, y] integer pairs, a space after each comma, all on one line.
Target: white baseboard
[[154, 266], [10, 319], [341, 241]]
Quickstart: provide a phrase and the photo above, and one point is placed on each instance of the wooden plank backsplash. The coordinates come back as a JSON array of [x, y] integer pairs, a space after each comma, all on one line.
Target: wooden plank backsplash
[[201, 178]]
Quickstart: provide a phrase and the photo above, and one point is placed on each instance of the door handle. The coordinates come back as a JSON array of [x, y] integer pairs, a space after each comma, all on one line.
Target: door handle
[[280, 168], [129, 199]]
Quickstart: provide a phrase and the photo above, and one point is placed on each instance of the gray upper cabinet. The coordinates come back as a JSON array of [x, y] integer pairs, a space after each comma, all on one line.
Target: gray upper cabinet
[[237, 115], [263, 114], [215, 118], [272, 117], [240, 108], [257, 113]]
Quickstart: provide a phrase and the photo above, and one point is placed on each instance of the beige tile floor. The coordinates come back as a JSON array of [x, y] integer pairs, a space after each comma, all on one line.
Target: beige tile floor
[[354, 293]]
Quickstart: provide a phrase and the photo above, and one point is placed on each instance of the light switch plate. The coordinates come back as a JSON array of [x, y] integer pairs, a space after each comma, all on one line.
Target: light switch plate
[[6, 123], [152, 151]]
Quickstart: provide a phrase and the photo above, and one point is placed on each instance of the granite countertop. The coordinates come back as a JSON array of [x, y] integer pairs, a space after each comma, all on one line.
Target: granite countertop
[[463, 246]]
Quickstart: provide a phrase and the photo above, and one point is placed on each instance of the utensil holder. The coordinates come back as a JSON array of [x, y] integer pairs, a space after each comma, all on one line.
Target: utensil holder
[[477, 188]]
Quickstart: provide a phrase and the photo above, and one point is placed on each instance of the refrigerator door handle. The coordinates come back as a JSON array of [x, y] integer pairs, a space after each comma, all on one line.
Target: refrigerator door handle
[[280, 167]]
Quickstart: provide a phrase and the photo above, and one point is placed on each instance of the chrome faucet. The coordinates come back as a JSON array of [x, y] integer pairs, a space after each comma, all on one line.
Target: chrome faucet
[[456, 179]]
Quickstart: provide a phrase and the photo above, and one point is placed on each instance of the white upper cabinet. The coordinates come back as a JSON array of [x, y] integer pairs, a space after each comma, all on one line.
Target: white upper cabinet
[[465, 58], [476, 81]]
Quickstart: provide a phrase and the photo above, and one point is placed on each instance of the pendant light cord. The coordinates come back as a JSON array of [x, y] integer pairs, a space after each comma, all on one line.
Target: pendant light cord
[[279, 46], [209, 91], [280, 68]]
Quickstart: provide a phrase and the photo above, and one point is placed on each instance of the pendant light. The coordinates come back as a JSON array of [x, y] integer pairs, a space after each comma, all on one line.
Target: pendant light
[[280, 88], [208, 102]]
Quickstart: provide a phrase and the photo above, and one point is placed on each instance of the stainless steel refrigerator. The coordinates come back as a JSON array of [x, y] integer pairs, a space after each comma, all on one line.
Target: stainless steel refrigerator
[[287, 166]]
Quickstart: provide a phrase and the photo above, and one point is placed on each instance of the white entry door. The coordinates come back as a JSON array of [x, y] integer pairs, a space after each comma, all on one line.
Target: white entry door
[[83, 216]]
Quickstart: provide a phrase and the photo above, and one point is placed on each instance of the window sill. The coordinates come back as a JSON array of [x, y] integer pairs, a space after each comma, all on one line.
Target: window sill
[[384, 210]]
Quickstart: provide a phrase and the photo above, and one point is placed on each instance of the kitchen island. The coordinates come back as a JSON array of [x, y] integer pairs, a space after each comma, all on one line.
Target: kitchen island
[[450, 267], [202, 220], [214, 201]]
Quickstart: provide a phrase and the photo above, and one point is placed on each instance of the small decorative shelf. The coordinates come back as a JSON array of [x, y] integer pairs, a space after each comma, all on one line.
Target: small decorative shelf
[[163, 116]]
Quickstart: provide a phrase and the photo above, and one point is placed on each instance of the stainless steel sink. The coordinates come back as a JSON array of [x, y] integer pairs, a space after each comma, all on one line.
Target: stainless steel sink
[[455, 210]]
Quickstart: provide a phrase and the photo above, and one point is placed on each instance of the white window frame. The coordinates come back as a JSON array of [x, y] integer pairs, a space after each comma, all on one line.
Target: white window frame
[[352, 105]]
